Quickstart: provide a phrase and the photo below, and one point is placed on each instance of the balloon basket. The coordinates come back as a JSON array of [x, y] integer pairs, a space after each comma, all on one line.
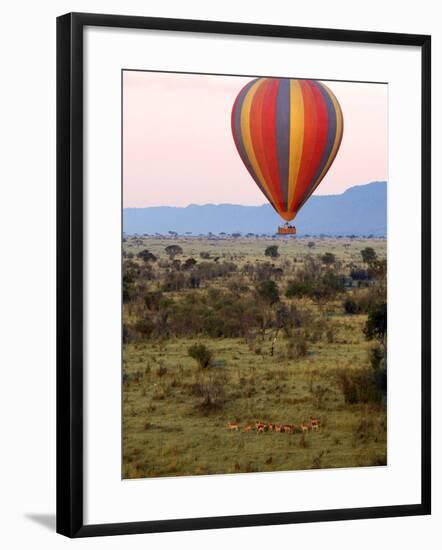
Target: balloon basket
[[286, 229]]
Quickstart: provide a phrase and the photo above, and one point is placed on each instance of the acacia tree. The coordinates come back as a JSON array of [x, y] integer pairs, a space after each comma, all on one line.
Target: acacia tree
[[173, 250]]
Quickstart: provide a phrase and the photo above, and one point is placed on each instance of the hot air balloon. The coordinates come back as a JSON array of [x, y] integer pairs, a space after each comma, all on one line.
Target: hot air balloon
[[287, 133]]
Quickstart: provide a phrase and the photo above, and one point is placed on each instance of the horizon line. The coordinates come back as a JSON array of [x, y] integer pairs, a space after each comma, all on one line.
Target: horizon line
[[249, 205]]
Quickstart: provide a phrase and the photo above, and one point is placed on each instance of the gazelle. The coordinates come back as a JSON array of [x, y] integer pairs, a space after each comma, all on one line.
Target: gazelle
[[277, 427], [314, 423], [304, 427], [289, 428], [247, 427], [259, 425], [260, 429], [233, 426]]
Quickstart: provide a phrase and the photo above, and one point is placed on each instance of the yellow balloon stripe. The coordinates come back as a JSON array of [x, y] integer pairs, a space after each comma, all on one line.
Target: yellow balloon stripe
[[336, 143], [296, 136], [247, 138]]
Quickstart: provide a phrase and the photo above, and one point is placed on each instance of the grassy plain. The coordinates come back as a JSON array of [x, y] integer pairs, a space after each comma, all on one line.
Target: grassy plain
[[168, 427]]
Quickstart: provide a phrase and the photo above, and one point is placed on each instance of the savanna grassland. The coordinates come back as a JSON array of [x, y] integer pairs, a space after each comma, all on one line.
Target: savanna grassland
[[244, 330]]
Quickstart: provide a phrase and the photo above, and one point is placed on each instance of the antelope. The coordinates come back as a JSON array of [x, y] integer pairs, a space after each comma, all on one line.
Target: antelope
[[259, 425], [314, 422], [260, 429], [277, 428], [247, 427], [304, 427], [270, 427], [289, 428], [233, 426]]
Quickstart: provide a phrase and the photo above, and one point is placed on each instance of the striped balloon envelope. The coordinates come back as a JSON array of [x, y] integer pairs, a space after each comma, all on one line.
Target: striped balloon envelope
[[287, 133]]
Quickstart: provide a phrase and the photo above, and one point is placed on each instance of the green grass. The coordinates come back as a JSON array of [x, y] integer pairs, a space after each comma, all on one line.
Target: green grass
[[166, 431]]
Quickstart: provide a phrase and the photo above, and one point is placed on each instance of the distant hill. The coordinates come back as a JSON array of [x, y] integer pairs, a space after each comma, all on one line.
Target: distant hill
[[360, 210]]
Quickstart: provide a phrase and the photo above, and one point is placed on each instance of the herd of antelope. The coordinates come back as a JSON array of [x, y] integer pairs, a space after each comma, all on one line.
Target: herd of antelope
[[262, 427]]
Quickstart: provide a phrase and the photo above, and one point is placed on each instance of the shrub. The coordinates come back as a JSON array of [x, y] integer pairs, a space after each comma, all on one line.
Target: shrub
[[212, 392], [378, 364], [358, 274], [359, 386], [299, 289], [297, 346], [173, 282], [358, 302], [272, 251], [376, 325], [268, 291], [189, 263], [368, 255], [319, 395], [128, 285], [201, 354], [153, 300], [328, 258], [146, 256], [161, 371]]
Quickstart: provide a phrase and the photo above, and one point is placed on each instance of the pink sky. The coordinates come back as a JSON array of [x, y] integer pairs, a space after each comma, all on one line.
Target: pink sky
[[178, 147]]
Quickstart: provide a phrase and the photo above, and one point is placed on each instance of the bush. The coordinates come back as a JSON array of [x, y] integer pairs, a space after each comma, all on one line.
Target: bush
[[359, 386], [350, 305], [173, 282], [368, 255], [128, 286], [213, 396], [268, 291], [356, 386], [376, 326], [358, 274], [189, 263], [378, 364], [299, 289], [201, 354], [328, 258], [272, 251], [358, 302], [146, 256], [173, 250], [154, 300], [297, 346]]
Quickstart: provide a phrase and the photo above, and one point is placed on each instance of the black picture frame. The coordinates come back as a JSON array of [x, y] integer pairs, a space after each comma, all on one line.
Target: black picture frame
[[70, 273]]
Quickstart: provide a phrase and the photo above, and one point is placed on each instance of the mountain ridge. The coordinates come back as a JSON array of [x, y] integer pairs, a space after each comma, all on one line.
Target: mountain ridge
[[359, 210]]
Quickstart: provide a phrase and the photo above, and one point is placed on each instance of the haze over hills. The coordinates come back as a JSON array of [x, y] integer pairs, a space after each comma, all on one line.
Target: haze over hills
[[360, 210]]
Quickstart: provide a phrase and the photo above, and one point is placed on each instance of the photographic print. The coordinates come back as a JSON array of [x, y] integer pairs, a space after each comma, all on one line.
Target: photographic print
[[254, 268]]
